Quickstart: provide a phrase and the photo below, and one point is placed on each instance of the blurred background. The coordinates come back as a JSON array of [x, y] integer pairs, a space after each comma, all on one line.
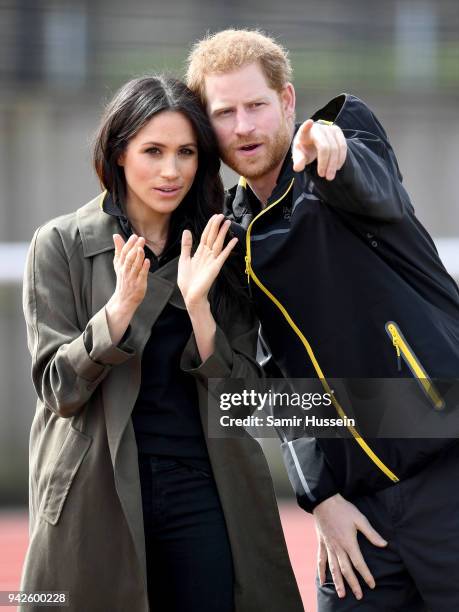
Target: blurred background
[[61, 61]]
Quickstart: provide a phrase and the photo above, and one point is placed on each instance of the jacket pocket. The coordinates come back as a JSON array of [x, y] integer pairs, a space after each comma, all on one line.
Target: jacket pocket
[[405, 352], [71, 455]]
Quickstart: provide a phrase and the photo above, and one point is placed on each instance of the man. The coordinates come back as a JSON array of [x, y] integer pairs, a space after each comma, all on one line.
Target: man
[[347, 283]]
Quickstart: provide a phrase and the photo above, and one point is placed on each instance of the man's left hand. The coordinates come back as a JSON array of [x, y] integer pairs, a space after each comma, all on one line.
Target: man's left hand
[[326, 143]]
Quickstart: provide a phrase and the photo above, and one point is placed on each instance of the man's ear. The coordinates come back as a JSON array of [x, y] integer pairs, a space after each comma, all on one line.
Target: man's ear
[[288, 99]]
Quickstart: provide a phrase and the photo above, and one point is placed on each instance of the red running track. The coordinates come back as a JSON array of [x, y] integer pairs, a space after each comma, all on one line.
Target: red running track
[[298, 529]]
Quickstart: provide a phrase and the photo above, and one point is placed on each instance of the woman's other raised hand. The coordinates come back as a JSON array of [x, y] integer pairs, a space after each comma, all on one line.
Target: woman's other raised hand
[[197, 273]]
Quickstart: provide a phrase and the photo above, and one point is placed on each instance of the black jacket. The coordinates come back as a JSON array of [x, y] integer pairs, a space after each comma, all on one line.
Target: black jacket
[[332, 265]]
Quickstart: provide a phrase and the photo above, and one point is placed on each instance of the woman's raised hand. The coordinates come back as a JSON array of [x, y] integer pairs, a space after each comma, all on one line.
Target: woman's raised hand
[[131, 267], [196, 274]]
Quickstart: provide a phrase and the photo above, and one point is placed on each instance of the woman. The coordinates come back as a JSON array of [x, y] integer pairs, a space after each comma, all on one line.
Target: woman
[[132, 505]]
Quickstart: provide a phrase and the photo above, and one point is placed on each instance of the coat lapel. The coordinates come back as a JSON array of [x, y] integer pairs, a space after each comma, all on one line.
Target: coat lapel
[[122, 384]]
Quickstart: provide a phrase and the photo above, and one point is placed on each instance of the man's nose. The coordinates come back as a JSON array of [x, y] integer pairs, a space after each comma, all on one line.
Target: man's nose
[[169, 167], [244, 125]]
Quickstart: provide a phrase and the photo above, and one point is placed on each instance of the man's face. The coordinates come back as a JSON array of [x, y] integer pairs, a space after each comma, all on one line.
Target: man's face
[[253, 122]]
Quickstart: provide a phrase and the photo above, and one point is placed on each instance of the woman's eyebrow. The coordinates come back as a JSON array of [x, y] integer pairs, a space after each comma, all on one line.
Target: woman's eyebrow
[[160, 144]]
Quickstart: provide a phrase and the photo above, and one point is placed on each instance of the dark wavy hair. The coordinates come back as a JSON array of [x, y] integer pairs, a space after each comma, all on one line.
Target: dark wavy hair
[[135, 103]]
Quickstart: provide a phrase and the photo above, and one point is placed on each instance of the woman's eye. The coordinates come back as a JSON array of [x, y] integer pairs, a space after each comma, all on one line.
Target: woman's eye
[[153, 150], [187, 151]]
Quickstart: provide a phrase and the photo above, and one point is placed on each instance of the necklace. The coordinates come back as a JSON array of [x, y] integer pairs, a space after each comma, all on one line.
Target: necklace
[[157, 246], [160, 242]]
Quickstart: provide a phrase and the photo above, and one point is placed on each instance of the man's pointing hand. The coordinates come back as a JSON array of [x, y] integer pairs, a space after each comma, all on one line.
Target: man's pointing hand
[[326, 143]]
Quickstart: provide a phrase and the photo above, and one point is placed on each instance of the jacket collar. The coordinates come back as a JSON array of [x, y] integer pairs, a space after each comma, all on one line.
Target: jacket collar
[[102, 217], [96, 230], [96, 227]]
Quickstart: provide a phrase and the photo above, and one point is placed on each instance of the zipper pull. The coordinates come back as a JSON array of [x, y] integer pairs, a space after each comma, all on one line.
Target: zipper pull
[[399, 361], [247, 271], [394, 335], [247, 268]]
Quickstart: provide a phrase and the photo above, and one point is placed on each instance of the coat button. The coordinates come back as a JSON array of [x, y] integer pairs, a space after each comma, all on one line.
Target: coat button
[[374, 243], [369, 235]]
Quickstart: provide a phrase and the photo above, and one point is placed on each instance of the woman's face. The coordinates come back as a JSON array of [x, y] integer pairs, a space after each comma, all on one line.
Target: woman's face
[[160, 163]]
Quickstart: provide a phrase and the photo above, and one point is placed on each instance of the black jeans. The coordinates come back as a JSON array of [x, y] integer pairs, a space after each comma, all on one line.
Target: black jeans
[[419, 569], [189, 562]]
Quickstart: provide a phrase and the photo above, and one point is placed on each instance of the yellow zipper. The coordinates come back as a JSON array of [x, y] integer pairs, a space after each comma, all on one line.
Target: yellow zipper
[[251, 274], [248, 256], [404, 350]]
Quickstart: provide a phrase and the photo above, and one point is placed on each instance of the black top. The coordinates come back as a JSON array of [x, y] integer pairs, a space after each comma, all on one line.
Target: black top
[[166, 415]]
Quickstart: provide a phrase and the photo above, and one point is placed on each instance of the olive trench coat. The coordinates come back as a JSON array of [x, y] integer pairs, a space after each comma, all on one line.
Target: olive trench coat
[[86, 524]]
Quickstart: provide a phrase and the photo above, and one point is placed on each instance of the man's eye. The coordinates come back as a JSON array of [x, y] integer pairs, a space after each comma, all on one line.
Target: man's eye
[[257, 104], [225, 112]]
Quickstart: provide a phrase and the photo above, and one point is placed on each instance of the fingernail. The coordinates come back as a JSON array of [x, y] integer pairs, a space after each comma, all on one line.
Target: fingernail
[[358, 595]]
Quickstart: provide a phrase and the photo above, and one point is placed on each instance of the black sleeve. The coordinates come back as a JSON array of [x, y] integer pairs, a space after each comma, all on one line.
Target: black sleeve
[[308, 471], [369, 183]]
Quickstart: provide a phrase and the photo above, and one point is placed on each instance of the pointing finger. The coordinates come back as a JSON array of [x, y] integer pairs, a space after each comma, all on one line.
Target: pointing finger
[[301, 141], [322, 144], [299, 158], [304, 132]]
